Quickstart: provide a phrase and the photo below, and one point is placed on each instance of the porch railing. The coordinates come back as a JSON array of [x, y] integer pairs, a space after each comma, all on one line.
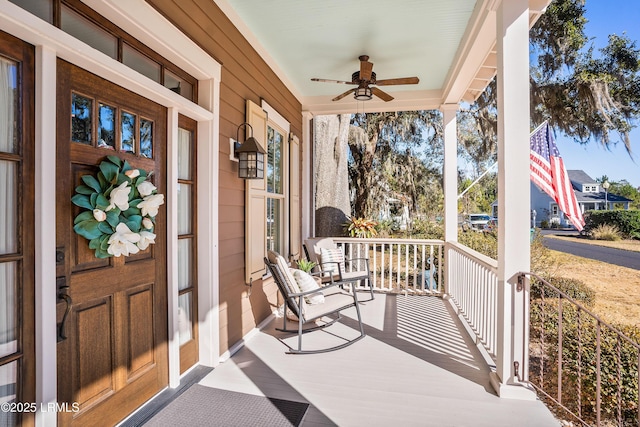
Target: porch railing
[[399, 265], [579, 364], [418, 266], [585, 368], [472, 286]]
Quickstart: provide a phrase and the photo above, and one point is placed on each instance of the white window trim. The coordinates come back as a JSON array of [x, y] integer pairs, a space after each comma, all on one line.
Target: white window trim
[[277, 118], [279, 123]]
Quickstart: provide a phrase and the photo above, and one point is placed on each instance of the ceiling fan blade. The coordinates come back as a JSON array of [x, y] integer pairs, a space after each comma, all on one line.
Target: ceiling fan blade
[[380, 94], [342, 95], [332, 81], [365, 69], [399, 81]]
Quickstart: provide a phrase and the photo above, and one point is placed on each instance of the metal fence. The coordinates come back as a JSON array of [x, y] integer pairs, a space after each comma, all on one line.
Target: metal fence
[[585, 368]]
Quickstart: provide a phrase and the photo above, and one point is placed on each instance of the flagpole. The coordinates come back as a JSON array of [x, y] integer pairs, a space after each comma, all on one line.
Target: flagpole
[[539, 127], [477, 179], [493, 165]]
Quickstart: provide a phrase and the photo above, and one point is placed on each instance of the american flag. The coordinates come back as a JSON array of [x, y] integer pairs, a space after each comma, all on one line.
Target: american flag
[[548, 173]]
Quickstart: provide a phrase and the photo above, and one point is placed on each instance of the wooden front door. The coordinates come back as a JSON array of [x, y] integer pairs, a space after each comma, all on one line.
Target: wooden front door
[[114, 356]]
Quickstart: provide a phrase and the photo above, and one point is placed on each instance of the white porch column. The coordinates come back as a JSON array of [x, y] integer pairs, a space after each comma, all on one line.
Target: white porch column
[[172, 247], [308, 211], [208, 245], [45, 230], [513, 192], [450, 172]]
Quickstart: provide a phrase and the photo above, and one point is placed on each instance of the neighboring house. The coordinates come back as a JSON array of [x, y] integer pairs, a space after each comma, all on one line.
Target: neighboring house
[[589, 194], [166, 85], [396, 209]]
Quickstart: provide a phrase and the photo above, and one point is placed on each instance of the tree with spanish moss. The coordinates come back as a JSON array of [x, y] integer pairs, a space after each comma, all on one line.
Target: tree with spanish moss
[[584, 93], [395, 152]]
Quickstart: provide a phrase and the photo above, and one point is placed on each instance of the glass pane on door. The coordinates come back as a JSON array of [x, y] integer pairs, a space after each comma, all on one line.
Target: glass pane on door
[[128, 132], [9, 312], [184, 209], [107, 127], [185, 323], [146, 138], [8, 385], [8, 207], [184, 264], [81, 111], [184, 154], [8, 106]]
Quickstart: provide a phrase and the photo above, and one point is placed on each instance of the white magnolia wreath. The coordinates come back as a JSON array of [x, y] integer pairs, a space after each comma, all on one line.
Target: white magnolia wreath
[[119, 209]]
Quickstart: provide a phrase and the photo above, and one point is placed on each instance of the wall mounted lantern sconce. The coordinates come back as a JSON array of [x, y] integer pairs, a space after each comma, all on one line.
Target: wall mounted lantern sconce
[[250, 156]]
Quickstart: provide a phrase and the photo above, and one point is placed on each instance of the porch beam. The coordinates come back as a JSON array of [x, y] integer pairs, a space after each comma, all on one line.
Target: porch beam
[[512, 35]]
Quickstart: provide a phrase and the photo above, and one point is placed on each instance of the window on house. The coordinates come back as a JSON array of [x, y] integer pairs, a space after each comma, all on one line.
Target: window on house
[[273, 203], [554, 210], [275, 187]]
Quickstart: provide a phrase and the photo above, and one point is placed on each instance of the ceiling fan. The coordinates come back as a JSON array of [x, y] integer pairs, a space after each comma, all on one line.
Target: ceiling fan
[[366, 81]]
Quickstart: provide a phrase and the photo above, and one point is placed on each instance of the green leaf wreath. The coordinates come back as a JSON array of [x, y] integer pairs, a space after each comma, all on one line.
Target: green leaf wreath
[[119, 209]]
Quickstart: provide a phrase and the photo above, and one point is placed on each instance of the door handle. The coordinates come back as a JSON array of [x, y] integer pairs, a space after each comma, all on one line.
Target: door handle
[[63, 295]]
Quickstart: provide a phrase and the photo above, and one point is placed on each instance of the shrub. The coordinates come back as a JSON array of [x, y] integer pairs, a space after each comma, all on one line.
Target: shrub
[[541, 258], [573, 288], [605, 232], [544, 224], [485, 243], [361, 227], [628, 222], [427, 229], [387, 228], [580, 336]]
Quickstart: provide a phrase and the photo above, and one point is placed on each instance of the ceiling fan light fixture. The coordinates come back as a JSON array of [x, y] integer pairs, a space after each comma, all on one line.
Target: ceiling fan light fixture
[[363, 94]]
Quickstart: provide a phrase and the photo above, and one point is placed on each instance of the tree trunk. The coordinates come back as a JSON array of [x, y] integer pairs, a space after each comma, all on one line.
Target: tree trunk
[[331, 174], [363, 151]]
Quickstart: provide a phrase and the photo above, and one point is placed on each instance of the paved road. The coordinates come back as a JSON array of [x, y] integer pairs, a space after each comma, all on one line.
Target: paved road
[[619, 257]]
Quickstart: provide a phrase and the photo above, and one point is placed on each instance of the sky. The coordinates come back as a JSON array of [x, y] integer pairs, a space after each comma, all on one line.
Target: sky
[[607, 17]]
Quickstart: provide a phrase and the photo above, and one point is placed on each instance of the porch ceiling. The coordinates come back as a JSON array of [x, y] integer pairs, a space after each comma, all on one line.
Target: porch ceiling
[[449, 45]]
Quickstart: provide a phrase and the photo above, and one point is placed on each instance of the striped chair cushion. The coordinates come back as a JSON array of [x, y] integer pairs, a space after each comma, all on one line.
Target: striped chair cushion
[[331, 256], [290, 281]]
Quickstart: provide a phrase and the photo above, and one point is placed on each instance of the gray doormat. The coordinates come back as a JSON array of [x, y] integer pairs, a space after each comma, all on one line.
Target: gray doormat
[[206, 406]]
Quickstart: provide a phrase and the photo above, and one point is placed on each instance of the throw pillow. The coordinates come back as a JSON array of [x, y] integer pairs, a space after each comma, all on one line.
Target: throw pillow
[[307, 283], [283, 266], [330, 258]]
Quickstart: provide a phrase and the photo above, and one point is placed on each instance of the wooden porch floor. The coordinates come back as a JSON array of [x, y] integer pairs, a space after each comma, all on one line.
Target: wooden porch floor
[[414, 367]]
